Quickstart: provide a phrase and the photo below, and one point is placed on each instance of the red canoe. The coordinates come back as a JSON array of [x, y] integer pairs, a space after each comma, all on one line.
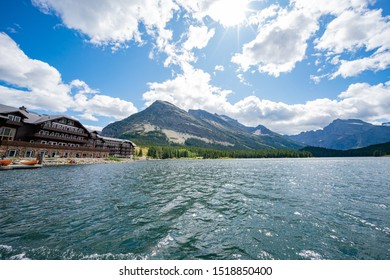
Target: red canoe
[[5, 162]]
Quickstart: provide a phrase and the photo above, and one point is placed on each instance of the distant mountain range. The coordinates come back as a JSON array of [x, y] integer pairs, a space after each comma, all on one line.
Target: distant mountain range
[[165, 124], [345, 135]]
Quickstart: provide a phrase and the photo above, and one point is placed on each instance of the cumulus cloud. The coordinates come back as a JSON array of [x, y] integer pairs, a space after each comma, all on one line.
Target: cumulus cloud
[[111, 23], [219, 68], [361, 100], [189, 90], [333, 7], [279, 45], [284, 33], [225, 12], [30, 81], [376, 62], [198, 37], [354, 31], [38, 85]]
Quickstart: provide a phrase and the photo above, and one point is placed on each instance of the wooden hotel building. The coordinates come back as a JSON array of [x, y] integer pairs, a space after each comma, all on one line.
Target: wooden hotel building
[[27, 134]]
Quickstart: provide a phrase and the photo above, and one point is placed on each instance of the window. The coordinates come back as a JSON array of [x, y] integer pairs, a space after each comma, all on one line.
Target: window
[[43, 142], [7, 133], [12, 153], [14, 118], [29, 153]]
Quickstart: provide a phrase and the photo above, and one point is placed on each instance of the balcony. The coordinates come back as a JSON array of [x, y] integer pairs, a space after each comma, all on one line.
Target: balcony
[[11, 122], [59, 138], [47, 127], [48, 146]]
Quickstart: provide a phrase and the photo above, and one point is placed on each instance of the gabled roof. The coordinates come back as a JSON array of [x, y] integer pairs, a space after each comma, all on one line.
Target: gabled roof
[[34, 118], [4, 109]]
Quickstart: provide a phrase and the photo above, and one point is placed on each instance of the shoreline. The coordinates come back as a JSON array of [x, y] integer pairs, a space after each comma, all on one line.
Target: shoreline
[[81, 161], [85, 161]]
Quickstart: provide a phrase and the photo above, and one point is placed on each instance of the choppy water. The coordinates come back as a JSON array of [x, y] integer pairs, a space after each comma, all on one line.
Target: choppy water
[[207, 209]]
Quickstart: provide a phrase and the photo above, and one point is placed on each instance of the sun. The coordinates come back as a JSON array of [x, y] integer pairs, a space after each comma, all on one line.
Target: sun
[[229, 12]]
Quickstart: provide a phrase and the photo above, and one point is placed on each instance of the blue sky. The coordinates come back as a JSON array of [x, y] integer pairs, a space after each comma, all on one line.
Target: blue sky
[[289, 65]]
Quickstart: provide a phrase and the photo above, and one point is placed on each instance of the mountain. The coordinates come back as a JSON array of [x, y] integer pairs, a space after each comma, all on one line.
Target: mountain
[[162, 123], [344, 135]]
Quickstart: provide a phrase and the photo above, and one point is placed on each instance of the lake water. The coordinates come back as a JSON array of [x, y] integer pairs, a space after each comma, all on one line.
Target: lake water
[[335, 208]]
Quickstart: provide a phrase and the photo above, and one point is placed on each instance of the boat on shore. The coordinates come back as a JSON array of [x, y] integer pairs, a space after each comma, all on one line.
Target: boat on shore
[[29, 162], [5, 162], [20, 166]]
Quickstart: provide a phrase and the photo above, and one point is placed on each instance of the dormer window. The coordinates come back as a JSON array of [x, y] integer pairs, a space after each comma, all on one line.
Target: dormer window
[[14, 118]]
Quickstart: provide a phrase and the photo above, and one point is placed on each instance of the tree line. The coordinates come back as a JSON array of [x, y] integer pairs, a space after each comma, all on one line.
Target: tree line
[[373, 150], [167, 152]]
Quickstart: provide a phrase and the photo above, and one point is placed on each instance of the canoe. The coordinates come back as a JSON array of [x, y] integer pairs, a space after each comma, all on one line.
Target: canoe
[[20, 166], [29, 162], [5, 162]]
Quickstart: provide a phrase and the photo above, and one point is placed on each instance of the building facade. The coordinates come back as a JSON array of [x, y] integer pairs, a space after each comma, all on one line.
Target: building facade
[[27, 134]]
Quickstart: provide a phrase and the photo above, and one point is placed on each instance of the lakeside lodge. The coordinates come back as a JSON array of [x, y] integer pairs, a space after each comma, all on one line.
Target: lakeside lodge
[[28, 134]]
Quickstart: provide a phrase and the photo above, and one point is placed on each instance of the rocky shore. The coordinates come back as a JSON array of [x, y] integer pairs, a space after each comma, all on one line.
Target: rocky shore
[[78, 161]]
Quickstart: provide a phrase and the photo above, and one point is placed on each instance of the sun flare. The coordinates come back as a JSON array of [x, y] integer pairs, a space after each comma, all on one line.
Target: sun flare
[[229, 12]]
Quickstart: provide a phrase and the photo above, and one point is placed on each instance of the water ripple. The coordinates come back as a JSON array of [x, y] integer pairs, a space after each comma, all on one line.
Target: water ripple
[[208, 209]]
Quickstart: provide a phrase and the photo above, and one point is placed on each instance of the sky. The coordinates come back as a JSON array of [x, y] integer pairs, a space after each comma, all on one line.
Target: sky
[[291, 65]]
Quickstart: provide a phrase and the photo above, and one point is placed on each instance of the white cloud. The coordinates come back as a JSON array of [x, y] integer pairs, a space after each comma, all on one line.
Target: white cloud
[[242, 79], [94, 127], [112, 23], [30, 81], [354, 31], [198, 37], [278, 45], [265, 15], [376, 62], [190, 90], [219, 68], [283, 35], [181, 53], [102, 105], [37, 85], [333, 7], [363, 101], [226, 12]]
